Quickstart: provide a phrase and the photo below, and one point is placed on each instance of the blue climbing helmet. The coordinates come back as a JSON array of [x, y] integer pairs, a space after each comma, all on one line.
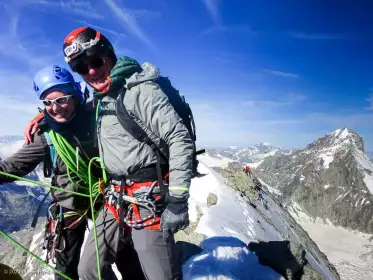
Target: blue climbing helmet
[[58, 78]]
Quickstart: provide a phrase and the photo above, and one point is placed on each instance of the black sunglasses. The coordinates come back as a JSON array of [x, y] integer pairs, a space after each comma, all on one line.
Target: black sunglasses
[[82, 68]]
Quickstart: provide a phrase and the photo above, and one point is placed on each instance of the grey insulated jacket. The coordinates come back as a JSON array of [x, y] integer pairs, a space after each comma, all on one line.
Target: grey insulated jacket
[[150, 107], [29, 156]]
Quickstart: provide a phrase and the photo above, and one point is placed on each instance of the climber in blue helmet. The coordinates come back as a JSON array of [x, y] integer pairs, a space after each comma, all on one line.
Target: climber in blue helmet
[[68, 125], [65, 114]]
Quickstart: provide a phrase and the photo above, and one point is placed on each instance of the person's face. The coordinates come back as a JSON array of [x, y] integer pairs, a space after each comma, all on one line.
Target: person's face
[[95, 71], [59, 105]]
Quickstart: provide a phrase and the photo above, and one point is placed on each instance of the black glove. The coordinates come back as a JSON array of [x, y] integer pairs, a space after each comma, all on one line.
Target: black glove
[[175, 217]]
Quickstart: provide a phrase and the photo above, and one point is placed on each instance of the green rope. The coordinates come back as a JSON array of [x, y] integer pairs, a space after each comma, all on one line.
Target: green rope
[[32, 254], [68, 155], [39, 183], [84, 173], [91, 188]]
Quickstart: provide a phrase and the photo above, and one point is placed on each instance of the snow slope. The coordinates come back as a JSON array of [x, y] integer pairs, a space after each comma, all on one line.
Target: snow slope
[[232, 216], [350, 251]]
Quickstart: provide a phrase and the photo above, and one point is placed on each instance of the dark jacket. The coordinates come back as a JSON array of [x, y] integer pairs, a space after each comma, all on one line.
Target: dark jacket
[[79, 133]]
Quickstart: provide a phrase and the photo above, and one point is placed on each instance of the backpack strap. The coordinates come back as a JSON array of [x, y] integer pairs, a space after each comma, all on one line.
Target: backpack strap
[[50, 163], [132, 127]]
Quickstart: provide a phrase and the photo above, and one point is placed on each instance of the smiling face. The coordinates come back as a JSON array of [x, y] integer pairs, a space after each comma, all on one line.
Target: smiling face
[[95, 71], [59, 105]]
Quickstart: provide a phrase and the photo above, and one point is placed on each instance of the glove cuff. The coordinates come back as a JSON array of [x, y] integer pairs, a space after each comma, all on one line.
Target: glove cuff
[[178, 207]]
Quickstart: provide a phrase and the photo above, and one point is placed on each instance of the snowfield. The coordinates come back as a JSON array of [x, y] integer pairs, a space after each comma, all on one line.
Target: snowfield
[[350, 251], [232, 216]]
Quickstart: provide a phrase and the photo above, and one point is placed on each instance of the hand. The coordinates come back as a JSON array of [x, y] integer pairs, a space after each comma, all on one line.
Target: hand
[[32, 127], [175, 217]]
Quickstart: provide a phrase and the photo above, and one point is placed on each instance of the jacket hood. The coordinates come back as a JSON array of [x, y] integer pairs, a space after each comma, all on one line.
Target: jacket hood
[[128, 73], [123, 69], [149, 73]]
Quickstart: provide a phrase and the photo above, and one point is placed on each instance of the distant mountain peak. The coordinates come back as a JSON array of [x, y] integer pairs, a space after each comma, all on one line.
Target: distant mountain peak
[[331, 178], [340, 140]]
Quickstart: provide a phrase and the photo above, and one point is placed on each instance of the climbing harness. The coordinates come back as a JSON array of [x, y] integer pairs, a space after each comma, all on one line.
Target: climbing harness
[[142, 203], [79, 167], [54, 237]]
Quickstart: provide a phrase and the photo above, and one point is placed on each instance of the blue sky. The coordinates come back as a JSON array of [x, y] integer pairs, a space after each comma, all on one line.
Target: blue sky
[[284, 72]]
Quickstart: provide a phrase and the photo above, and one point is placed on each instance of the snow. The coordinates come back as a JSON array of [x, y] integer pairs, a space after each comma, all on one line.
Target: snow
[[341, 133], [327, 186], [233, 217], [366, 167], [8, 149], [233, 147], [226, 258], [344, 134], [269, 188], [350, 251], [214, 162], [255, 164], [327, 157]]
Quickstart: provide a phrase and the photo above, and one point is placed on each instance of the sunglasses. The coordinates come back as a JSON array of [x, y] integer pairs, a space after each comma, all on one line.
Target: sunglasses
[[83, 67], [59, 100]]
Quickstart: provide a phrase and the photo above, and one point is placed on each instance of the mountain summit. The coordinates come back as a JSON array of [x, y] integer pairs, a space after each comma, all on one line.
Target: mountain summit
[[331, 179]]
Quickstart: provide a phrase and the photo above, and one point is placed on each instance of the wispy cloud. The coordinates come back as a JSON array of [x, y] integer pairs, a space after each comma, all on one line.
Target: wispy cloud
[[73, 7], [16, 92], [128, 19], [281, 73], [242, 29], [18, 104], [296, 97], [310, 36], [286, 100], [100, 28], [370, 100], [212, 7], [32, 49], [14, 19]]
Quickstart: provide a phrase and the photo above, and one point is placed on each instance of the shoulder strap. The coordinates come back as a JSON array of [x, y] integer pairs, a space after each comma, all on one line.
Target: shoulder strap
[[52, 149], [132, 127]]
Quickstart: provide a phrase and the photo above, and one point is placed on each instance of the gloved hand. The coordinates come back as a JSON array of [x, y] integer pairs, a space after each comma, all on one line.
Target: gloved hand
[[175, 217]]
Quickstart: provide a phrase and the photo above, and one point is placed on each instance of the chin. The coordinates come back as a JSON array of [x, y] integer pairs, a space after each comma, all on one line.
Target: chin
[[60, 120]]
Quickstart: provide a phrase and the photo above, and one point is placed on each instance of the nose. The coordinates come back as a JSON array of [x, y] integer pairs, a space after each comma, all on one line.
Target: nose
[[56, 107], [92, 71]]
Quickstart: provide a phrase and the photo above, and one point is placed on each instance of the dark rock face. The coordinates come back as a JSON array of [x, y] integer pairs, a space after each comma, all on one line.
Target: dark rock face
[[289, 261], [331, 178]]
